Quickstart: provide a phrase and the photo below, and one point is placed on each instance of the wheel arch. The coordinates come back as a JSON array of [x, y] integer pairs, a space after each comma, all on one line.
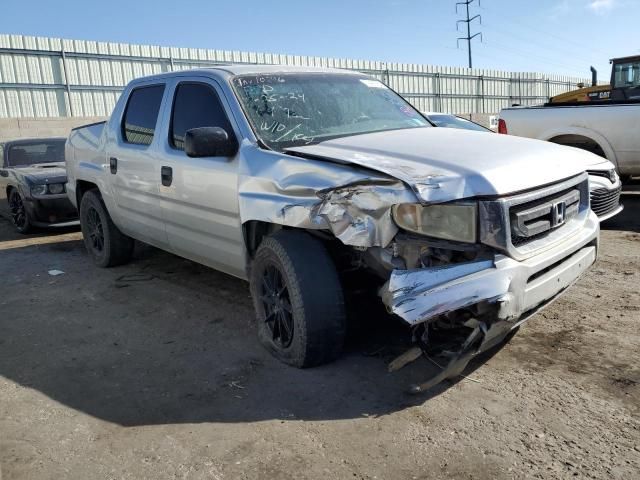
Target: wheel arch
[[82, 187], [254, 232], [586, 136]]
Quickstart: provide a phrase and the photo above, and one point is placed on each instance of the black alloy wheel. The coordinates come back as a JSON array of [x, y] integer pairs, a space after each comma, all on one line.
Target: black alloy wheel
[[298, 299], [95, 230], [277, 306], [19, 214], [106, 244]]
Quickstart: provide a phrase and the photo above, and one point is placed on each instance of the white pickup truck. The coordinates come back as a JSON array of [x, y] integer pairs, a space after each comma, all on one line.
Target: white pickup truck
[[609, 129], [320, 185]]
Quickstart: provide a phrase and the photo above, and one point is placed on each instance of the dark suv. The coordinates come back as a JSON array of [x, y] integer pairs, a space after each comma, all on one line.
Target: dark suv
[[33, 181]]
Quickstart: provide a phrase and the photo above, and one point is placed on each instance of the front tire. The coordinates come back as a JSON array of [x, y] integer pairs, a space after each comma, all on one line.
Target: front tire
[[298, 299], [106, 244], [19, 215]]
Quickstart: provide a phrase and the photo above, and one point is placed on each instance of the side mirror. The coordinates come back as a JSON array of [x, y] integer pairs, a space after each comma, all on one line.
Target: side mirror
[[209, 142]]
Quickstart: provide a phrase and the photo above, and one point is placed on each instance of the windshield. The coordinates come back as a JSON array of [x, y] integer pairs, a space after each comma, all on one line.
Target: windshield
[[288, 110], [451, 121], [25, 154]]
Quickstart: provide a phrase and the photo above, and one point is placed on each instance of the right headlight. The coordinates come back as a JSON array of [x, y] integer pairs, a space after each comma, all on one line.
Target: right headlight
[[56, 188], [449, 221]]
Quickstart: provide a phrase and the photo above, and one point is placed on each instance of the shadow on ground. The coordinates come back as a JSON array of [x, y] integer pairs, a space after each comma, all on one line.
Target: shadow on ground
[[164, 340]]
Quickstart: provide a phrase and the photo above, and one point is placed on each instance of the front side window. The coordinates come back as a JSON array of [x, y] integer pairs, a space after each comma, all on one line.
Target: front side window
[[195, 105], [627, 75], [26, 154], [293, 109], [141, 114]]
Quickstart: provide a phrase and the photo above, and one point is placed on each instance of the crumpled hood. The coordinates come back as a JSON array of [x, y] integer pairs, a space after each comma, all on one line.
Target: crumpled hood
[[444, 164], [45, 173]]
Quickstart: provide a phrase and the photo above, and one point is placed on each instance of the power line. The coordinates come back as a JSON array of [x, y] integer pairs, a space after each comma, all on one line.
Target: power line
[[543, 60], [537, 41], [468, 21], [533, 54], [539, 31]]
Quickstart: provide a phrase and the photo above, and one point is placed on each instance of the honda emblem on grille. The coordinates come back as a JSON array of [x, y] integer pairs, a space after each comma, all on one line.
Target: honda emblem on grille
[[558, 213], [538, 217]]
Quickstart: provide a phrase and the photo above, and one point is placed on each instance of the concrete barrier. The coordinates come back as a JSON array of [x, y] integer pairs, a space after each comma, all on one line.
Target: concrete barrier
[[14, 128]]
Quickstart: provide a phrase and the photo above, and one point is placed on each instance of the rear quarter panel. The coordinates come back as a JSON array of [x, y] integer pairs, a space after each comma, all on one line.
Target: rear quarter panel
[[85, 158]]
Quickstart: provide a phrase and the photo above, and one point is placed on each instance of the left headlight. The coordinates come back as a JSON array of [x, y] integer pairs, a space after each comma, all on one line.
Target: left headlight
[[39, 190], [453, 221]]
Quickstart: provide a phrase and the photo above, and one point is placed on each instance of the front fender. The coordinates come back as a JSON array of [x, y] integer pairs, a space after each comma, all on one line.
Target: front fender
[[351, 202]]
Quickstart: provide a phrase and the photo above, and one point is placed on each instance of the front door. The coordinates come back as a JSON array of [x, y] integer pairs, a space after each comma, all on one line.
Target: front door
[[200, 195]]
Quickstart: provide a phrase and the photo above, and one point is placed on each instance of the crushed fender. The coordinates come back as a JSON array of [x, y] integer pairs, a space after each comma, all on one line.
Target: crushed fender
[[360, 214]]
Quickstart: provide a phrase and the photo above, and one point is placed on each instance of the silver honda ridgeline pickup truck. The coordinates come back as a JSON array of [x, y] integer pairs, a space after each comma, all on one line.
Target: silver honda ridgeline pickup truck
[[300, 180]]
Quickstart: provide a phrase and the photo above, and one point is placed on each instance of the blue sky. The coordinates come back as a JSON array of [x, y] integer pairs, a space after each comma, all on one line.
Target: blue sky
[[553, 36]]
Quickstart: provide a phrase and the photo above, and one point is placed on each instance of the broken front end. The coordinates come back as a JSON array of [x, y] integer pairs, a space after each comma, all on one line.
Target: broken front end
[[471, 272], [462, 274]]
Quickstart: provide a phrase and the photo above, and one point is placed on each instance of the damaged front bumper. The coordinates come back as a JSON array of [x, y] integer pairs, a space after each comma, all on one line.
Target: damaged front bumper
[[514, 289]]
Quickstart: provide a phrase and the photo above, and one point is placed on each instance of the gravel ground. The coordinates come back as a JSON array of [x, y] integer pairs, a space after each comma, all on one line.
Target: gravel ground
[[152, 370]]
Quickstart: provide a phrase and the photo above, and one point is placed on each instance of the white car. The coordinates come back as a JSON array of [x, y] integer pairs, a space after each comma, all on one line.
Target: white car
[[604, 182], [604, 188]]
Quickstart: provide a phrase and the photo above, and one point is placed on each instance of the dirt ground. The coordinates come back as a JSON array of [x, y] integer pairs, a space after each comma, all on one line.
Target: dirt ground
[[153, 370]]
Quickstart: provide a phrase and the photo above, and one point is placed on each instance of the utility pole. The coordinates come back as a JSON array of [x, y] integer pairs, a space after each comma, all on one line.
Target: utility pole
[[468, 21]]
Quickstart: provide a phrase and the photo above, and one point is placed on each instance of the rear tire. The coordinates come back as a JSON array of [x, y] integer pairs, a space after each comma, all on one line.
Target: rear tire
[[298, 299], [106, 244], [19, 214]]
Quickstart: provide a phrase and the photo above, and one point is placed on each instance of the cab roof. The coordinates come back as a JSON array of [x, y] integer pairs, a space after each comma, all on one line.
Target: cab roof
[[631, 58], [228, 70]]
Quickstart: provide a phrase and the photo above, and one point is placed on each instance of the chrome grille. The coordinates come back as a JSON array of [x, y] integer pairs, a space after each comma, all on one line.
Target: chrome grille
[[522, 224], [604, 201], [535, 219]]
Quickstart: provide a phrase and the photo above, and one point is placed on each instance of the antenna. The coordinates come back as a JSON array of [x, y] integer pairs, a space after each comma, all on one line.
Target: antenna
[[468, 21]]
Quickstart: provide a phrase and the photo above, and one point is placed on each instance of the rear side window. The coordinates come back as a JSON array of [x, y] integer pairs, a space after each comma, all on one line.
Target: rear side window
[[141, 114], [196, 105]]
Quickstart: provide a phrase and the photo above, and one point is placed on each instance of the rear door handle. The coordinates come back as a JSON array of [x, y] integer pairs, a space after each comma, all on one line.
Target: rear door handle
[[167, 176], [113, 165]]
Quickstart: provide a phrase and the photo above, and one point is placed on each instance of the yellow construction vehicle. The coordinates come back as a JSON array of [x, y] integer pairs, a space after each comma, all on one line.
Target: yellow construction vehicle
[[624, 86]]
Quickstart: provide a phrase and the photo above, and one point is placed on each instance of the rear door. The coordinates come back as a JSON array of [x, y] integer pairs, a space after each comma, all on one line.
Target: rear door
[[132, 159], [200, 202]]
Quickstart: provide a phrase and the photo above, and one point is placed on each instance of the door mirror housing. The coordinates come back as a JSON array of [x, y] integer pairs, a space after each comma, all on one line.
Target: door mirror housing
[[210, 142]]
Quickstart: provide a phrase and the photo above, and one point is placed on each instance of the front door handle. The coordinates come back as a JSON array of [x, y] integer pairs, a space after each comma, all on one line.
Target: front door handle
[[167, 176], [113, 165]]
